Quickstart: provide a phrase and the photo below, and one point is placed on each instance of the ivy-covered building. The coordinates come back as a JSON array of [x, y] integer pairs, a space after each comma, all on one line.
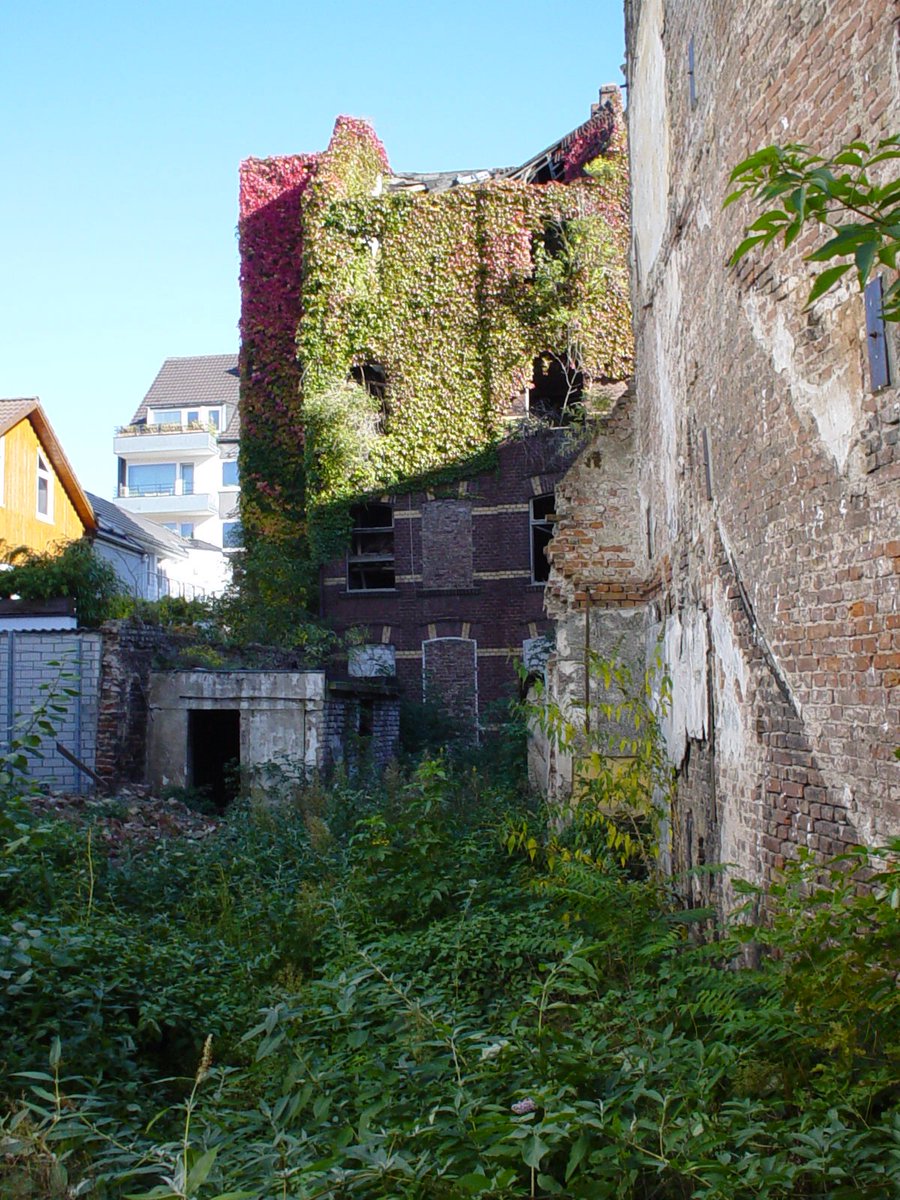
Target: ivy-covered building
[[419, 353]]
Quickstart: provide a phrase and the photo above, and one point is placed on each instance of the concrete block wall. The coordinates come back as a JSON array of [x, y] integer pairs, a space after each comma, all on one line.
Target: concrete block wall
[[38, 669]]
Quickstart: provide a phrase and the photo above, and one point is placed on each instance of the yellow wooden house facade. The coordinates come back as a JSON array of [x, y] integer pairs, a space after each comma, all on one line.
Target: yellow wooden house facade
[[41, 501]]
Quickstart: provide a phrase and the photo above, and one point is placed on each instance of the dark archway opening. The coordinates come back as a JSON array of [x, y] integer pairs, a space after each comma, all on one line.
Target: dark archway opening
[[214, 753]]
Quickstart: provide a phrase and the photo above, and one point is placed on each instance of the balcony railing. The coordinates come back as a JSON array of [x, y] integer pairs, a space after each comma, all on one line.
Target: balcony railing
[[167, 427], [155, 489]]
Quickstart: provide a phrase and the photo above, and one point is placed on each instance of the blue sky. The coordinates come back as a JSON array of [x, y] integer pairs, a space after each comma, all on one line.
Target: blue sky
[[124, 124]]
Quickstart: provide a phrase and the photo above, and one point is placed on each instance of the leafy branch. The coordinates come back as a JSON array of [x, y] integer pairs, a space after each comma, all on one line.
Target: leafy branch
[[798, 188]]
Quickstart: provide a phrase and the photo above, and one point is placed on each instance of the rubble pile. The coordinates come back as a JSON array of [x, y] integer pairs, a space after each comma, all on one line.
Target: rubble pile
[[132, 820]]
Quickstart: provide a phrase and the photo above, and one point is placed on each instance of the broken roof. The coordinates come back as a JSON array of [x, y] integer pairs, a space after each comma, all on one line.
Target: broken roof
[[204, 379], [593, 136], [14, 411]]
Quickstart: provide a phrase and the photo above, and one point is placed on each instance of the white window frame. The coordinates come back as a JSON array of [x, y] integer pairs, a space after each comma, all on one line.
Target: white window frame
[[44, 472]]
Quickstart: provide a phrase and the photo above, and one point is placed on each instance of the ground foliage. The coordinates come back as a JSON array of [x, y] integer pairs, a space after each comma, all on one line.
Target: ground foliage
[[402, 1006]]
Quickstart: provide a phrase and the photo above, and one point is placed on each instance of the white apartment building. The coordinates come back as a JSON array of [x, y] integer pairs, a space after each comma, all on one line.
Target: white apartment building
[[177, 459]]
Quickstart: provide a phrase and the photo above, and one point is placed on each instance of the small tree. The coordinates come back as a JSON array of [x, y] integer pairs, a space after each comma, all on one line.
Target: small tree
[[862, 216]]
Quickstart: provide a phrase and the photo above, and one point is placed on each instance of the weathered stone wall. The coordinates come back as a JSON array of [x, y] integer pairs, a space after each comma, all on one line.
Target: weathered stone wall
[[282, 717], [767, 469], [598, 554]]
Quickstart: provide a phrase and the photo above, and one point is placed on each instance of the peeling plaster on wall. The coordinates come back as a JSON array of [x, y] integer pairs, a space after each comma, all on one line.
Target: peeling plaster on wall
[[670, 312], [685, 649], [649, 137], [830, 403], [730, 682]]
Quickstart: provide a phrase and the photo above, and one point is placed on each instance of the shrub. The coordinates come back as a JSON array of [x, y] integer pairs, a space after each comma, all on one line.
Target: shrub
[[72, 569]]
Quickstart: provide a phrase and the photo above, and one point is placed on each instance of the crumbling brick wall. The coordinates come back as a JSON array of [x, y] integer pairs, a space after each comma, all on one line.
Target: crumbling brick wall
[[129, 650], [767, 467]]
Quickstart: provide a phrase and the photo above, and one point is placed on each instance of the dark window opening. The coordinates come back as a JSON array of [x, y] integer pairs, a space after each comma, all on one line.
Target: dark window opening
[[365, 718], [555, 240], [547, 171], [370, 563], [542, 518], [556, 391], [548, 244], [373, 378], [214, 754]]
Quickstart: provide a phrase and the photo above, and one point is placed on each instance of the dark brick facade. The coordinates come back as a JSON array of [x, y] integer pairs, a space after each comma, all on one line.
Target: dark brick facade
[[464, 601]]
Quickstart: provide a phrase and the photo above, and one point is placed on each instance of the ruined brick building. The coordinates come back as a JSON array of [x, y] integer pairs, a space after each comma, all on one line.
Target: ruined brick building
[[414, 348], [743, 504]]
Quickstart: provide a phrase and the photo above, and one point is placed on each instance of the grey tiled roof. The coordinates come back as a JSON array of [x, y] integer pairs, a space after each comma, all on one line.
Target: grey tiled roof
[[200, 379], [115, 521]]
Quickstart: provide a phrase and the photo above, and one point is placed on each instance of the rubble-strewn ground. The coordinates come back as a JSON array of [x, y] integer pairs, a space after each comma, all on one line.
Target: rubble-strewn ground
[[134, 819]]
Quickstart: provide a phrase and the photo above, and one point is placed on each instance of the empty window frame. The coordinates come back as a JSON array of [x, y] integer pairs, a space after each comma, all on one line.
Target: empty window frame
[[370, 563], [373, 377], [44, 489], [557, 390], [542, 517]]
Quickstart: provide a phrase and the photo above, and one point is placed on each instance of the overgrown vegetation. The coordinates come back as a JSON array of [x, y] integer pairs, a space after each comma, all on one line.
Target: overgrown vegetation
[[408, 998], [69, 570], [386, 334]]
